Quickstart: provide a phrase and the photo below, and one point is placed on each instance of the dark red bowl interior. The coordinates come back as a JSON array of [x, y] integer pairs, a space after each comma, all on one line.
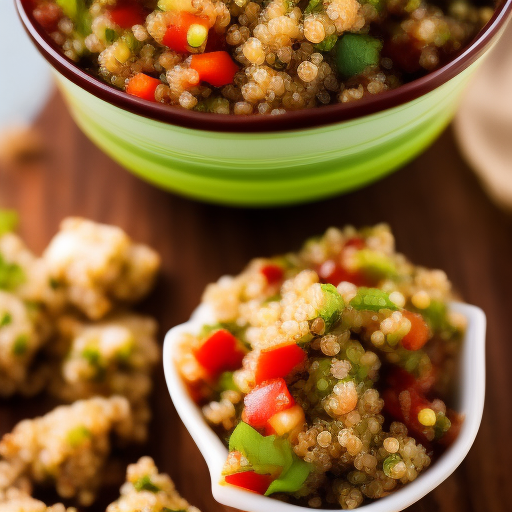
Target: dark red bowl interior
[[306, 118]]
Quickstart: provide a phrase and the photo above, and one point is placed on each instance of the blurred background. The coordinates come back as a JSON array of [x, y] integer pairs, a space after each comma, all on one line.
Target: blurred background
[[448, 209]]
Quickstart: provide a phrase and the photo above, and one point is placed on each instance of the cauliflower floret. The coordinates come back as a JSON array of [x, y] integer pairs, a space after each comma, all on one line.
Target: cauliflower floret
[[68, 447], [23, 331], [97, 264], [146, 489], [14, 500], [114, 356]]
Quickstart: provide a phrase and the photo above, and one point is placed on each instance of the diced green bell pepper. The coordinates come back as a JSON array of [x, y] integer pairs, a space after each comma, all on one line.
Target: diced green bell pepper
[[355, 52], [372, 299], [8, 221]]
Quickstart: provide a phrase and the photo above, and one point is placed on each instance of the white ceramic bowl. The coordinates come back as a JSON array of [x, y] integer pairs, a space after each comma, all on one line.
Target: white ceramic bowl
[[471, 392]]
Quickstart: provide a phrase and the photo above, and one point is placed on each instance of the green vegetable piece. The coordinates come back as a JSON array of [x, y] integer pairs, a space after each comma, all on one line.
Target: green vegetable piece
[[291, 480], [355, 52], [443, 424], [78, 435], [20, 345], [70, 8], [226, 382], [333, 305], [144, 483], [376, 265], [11, 275], [314, 6], [92, 355], [327, 44], [8, 221], [372, 299], [110, 35], [54, 283], [389, 463], [6, 319], [264, 453]]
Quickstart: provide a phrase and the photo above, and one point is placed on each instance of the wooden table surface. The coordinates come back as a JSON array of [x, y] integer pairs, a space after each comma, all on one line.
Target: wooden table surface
[[440, 216]]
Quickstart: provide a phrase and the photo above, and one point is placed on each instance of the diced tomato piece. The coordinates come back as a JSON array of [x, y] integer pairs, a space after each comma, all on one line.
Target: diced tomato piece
[[220, 353], [176, 35], [400, 379], [47, 15], [333, 273], [127, 15], [216, 68], [266, 400], [278, 362], [273, 273], [250, 481], [407, 414], [143, 86], [355, 241], [419, 333]]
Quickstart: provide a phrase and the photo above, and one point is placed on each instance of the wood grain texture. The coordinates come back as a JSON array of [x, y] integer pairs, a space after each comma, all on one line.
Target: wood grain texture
[[439, 214]]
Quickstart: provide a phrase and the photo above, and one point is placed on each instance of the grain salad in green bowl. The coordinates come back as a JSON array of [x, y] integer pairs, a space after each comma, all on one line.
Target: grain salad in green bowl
[[263, 57], [328, 372]]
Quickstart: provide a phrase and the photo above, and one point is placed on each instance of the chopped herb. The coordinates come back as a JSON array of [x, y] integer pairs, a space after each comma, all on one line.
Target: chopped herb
[[6, 319], [11, 275], [20, 345], [314, 6], [389, 463], [144, 483], [78, 435], [226, 382], [372, 299], [327, 44], [110, 35], [54, 283], [8, 221]]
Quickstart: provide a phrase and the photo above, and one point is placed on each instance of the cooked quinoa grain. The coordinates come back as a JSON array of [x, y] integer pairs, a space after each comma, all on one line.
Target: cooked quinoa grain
[[13, 500], [244, 57], [330, 364]]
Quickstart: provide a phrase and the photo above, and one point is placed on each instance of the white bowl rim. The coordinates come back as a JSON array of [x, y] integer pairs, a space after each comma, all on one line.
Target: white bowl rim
[[471, 404]]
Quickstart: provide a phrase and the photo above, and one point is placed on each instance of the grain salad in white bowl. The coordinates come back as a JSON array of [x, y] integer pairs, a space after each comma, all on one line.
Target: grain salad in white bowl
[[341, 376]]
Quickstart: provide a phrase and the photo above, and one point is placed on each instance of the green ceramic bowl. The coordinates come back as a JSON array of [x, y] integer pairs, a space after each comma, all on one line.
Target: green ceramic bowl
[[267, 160]]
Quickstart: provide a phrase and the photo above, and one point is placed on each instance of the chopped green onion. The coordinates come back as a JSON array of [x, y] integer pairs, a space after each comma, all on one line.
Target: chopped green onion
[[389, 463], [6, 319], [332, 307], [144, 483], [327, 44], [20, 345]]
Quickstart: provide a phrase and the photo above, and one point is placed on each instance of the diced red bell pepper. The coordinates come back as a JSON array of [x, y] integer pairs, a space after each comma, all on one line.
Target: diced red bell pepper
[[220, 353], [273, 273], [355, 241], [419, 333], [250, 481], [400, 379], [47, 15], [176, 35], [127, 15], [333, 273], [143, 86], [266, 400], [278, 362], [216, 68]]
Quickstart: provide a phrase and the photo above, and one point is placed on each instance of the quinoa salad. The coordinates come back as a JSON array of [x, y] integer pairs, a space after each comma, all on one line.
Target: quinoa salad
[[259, 57], [328, 372]]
